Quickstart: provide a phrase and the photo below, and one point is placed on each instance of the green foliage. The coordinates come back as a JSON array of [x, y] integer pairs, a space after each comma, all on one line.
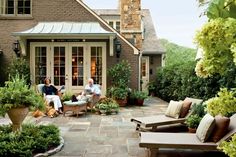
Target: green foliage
[[66, 96], [229, 147], [176, 54], [20, 67], [224, 104], [120, 74], [119, 93], [199, 109], [107, 104], [221, 8], [179, 81], [140, 95], [216, 38], [16, 94], [193, 121], [32, 139]]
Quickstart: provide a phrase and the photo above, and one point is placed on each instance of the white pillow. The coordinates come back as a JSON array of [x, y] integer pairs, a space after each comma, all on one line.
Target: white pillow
[[205, 127], [174, 109]]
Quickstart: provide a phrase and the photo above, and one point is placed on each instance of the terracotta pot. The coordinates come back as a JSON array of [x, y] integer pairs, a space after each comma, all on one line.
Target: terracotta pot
[[139, 102], [17, 116], [192, 130], [121, 102]]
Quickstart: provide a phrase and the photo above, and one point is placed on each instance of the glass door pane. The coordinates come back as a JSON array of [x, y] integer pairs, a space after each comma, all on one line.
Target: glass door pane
[[77, 66], [59, 65], [40, 64], [96, 64]]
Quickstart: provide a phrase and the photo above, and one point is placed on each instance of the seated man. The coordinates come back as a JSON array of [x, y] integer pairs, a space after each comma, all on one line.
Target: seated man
[[51, 94], [92, 89], [92, 92]]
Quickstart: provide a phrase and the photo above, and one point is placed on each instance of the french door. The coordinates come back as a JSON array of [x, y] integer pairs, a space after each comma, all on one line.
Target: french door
[[69, 64]]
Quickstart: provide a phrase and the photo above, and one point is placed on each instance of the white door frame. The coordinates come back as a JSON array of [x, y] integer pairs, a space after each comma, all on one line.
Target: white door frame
[[145, 79]]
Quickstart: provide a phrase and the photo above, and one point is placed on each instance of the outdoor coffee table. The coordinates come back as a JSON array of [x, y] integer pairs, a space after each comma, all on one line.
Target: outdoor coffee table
[[75, 107]]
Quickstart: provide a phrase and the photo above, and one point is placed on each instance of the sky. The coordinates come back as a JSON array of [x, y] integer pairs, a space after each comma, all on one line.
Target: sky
[[174, 20]]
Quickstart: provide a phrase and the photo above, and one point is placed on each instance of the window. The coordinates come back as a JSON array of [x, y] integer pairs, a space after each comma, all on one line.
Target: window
[[23, 7], [15, 7], [115, 24], [118, 26]]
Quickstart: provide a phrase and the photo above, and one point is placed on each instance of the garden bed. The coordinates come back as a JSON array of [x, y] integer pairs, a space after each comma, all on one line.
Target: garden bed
[[32, 140]]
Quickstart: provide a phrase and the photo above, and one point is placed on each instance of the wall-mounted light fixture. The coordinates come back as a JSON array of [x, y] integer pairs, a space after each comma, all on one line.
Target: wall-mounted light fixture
[[117, 48], [16, 48], [1, 52]]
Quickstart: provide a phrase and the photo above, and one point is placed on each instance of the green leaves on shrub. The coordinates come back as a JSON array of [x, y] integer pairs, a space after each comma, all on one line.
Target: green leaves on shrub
[[229, 147], [120, 74], [180, 81], [224, 104], [32, 139]]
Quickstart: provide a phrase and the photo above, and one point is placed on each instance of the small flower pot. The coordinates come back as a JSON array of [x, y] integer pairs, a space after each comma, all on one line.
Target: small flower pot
[[192, 130], [121, 102]]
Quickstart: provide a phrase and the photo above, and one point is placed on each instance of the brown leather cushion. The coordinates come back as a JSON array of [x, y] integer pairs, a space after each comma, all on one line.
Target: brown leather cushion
[[185, 108], [221, 128]]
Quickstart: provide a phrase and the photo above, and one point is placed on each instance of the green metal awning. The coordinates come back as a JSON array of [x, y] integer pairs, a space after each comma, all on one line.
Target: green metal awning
[[65, 29]]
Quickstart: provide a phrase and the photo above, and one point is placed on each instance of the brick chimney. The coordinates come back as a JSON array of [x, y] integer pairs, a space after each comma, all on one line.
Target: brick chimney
[[130, 20]]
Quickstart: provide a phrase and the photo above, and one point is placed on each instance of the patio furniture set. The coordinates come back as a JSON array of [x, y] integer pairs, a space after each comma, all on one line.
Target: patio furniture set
[[153, 141]]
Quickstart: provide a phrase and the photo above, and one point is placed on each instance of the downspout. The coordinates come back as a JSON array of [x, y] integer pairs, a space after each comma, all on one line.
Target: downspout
[[139, 70]]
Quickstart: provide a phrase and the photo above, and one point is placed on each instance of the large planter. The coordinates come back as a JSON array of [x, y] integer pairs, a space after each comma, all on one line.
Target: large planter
[[17, 116], [139, 102], [121, 102]]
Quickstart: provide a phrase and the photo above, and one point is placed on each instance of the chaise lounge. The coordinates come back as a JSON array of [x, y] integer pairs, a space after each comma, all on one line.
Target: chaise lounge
[[154, 141], [151, 123]]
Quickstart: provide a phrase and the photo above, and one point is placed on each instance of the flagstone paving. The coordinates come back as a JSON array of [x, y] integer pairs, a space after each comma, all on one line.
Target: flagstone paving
[[94, 135]]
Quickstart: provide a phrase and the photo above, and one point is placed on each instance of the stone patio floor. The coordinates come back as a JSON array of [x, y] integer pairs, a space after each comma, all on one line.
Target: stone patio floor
[[94, 135]]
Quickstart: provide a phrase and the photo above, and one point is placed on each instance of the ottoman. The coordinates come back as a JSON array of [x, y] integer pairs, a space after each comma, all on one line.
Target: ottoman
[[75, 107]]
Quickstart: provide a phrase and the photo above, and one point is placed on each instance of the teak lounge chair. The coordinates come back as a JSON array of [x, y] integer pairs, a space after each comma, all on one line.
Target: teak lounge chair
[[145, 123], [154, 141]]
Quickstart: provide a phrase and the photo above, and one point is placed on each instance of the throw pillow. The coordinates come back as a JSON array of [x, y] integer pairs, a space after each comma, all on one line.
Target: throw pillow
[[205, 127], [185, 108], [173, 109], [221, 128]]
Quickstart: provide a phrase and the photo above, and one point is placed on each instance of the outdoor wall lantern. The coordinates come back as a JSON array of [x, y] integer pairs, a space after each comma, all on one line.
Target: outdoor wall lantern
[[16, 48], [117, 48]]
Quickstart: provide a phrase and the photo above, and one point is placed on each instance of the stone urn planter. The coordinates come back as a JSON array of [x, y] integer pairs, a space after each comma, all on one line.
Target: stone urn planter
[[17, 116], [16, 97]]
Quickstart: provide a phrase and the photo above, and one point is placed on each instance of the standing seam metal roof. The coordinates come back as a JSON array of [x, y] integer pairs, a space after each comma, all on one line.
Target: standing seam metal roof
[[65, 28]]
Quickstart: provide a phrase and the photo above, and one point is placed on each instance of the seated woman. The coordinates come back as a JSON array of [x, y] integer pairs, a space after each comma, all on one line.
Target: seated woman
[[51, 94]]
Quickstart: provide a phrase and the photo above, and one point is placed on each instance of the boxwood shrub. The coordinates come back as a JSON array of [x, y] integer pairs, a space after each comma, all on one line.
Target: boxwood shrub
[[31, 140]]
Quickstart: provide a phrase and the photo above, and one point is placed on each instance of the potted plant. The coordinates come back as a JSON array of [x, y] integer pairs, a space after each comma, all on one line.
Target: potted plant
[[131, 98], [192, 122], [106, 106], [151, 88], [140, 96], [120, 95], [16, 98]]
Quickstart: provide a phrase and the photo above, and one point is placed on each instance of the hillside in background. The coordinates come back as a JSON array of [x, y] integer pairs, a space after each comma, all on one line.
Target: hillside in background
[[176, 54]]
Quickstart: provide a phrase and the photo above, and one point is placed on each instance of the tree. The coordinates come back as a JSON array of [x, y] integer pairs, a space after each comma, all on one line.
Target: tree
[[217, 38], [176, 54]]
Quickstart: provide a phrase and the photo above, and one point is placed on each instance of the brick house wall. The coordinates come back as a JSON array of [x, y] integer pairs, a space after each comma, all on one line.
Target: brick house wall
[[57, 10]]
